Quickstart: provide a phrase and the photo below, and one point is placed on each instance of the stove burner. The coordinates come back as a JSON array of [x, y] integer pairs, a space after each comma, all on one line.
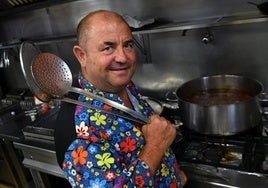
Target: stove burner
[[215, 153]]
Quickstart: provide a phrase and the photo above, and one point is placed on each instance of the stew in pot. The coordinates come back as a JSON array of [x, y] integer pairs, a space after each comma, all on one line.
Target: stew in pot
[[219, 96]]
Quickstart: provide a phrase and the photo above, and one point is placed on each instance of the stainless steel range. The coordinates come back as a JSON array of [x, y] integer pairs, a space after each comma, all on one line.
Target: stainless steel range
[[225, 161], [239, 160]]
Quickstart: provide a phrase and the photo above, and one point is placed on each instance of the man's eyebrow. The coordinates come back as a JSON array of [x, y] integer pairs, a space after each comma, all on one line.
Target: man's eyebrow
[[108, 43], [130, 41]]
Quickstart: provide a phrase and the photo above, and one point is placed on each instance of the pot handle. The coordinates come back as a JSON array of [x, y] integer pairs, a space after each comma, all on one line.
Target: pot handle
[[171, 96], [263, 102], [172, 100]]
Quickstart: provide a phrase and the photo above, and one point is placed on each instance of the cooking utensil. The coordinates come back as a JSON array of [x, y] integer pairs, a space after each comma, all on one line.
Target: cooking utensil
[[6, 58], [69, 100], [158, 106], [155, 104], [223, 118], [53, 75], [263, 7], [27, 53]]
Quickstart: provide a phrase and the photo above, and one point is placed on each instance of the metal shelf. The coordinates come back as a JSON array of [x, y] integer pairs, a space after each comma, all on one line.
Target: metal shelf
[[245, 18], [236, 19]]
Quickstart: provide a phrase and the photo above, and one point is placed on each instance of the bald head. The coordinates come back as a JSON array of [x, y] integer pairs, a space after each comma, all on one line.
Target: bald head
[[94, 19]]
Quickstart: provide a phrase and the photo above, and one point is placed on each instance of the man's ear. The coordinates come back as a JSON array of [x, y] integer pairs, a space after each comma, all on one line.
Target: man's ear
[[80, 55]]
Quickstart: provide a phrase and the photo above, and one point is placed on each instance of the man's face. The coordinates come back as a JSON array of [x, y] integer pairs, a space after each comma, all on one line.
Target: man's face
[[110, 59]]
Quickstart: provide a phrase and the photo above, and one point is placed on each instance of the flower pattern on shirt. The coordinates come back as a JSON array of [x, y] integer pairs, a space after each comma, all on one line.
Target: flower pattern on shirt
[[104, 154], [79, 155]]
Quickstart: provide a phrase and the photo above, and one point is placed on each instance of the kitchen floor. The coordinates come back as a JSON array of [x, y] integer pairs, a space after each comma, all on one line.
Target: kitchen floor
[[53, 182], [30, 185]]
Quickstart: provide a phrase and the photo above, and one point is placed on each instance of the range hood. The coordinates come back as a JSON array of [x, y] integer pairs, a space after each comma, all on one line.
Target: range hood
[[16, 6], [6, 4]]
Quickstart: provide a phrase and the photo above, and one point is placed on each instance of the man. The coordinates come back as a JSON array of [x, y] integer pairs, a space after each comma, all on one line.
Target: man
[[111, 151]]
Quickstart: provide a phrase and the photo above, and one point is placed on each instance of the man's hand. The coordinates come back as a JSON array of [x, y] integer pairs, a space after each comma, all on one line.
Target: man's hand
[[159, 135]]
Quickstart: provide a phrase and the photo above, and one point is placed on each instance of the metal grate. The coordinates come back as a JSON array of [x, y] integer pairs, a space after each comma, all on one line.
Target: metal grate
[[15, 3], [11, 7], [9, 4]]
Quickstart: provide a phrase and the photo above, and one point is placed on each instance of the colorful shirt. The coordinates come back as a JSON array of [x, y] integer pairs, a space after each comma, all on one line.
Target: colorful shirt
[[105, 153]]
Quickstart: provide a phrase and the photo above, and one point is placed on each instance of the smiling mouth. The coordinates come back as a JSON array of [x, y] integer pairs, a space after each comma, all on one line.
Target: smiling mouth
[[119, 68]]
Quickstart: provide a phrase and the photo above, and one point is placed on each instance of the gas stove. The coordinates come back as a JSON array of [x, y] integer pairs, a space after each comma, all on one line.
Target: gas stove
[[246, 151], [238, 160]]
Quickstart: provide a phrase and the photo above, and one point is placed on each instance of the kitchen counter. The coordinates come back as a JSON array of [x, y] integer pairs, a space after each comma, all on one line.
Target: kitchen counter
[[12, 129], [35, 140], [12, 120]]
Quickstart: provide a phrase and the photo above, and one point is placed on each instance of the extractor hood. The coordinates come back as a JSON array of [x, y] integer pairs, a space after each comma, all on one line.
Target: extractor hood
[[16, 6]]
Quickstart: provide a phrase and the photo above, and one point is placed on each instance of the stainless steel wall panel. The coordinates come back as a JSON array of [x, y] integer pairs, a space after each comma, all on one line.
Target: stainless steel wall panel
[[175, 59]]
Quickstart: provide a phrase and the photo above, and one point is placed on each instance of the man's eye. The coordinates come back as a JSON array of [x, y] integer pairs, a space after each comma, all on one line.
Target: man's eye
[[129, 45], [108, 48]]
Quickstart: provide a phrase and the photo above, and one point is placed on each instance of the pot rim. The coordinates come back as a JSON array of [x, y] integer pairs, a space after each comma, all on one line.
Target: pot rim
[[190, 82]]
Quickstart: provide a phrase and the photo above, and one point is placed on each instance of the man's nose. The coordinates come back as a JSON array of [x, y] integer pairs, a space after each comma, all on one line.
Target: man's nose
[[120, 55]]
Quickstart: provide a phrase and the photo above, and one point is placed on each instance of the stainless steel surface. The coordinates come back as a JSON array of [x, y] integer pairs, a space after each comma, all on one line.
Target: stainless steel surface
[[8, 7], [247, 18], [226, 119], [7, 4], [238, 161], [39, 160], [208, 176], [210, 22], [171, 11], [155, 104], [28, 51], [53, 75], [4, 62], [176, 56]]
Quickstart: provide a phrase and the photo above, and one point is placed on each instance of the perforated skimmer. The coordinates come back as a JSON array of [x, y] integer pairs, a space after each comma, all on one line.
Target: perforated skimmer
[[28, 51], [53, 76]]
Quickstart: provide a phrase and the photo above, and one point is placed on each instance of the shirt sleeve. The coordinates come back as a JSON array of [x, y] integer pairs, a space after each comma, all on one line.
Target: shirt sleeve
[[91, 164]]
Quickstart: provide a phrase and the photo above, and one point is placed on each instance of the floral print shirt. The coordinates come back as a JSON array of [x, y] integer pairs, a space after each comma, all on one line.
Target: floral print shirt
[[105, 152]]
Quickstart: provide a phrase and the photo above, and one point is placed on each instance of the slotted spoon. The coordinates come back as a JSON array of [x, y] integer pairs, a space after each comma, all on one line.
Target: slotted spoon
[[28, 51], [53, 76]]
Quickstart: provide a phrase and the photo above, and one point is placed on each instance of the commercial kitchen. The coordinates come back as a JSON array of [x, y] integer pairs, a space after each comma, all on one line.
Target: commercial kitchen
[[182, 47]]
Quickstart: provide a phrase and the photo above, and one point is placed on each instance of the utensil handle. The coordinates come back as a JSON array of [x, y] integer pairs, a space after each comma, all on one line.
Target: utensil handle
[[69, 100], [114, 104]]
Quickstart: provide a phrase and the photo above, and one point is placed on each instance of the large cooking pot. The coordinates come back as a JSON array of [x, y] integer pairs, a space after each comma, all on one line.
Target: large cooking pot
[[263, 7], [220, 104]]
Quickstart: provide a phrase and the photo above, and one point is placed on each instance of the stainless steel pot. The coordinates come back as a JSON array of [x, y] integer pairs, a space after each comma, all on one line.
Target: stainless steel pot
[[220, 119]]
